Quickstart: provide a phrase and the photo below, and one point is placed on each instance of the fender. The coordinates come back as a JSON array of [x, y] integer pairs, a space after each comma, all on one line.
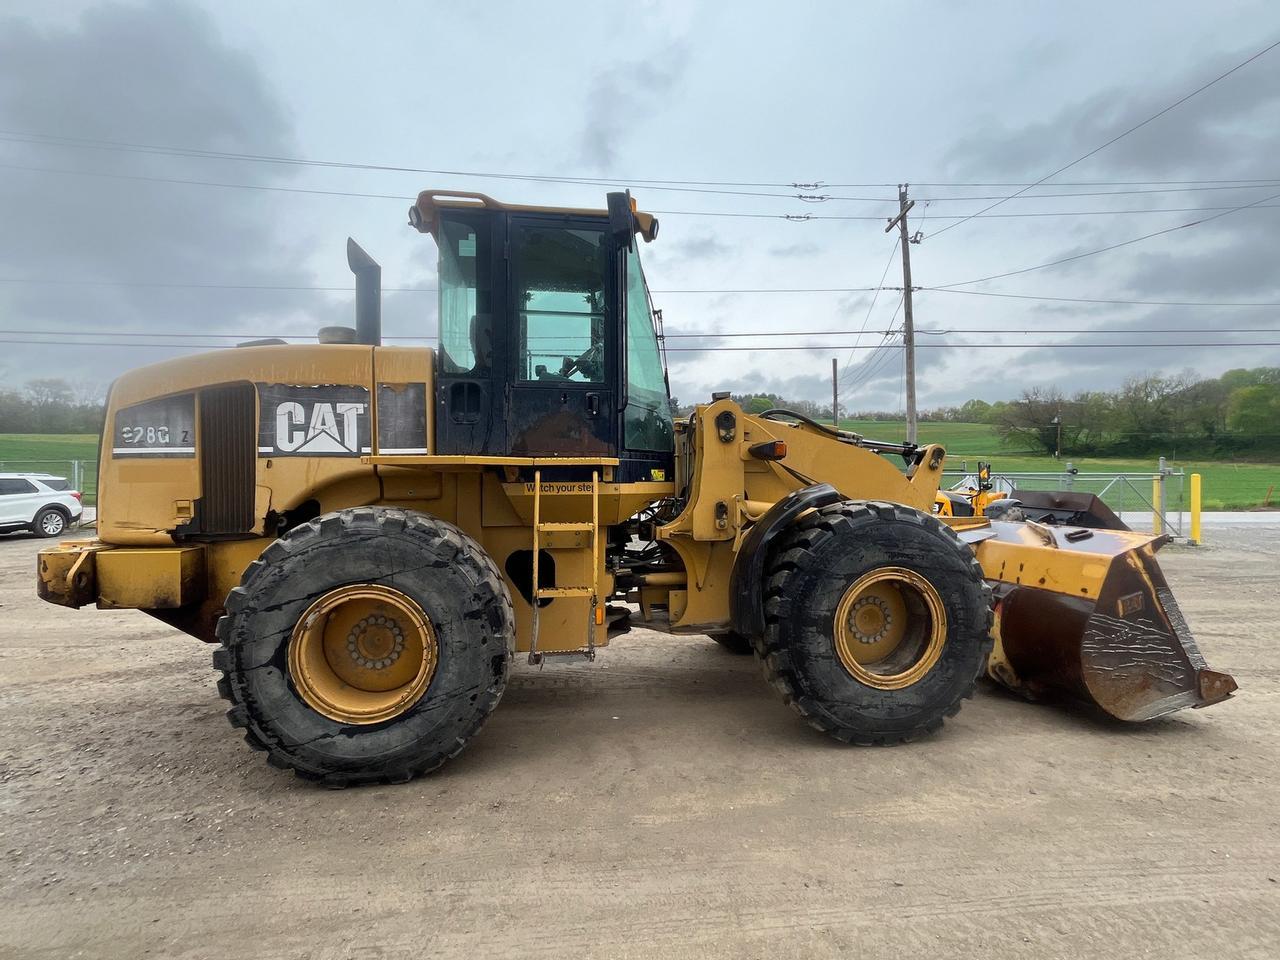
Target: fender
[[746, 583]]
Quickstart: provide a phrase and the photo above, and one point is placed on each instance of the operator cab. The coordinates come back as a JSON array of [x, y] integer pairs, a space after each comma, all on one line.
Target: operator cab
[[548, 341]]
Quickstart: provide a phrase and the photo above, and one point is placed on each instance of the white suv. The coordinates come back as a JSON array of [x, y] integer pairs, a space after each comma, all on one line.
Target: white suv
[[40, 502]]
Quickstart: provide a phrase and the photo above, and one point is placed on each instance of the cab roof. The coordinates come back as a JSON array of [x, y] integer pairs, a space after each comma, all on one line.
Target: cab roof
[[424, 214]]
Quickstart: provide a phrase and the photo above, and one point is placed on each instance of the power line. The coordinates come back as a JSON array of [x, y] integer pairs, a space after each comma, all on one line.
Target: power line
[[69, 281], [804, 218], [720, 349], [1144, 303], [27, 136], [951, 330], [1114, 246], [656, 185], [1118, 137], [206, 183], [1060, 183], [710, 335], [792, 217], [57, 281], [1261, 185], [1113, 333], [874, 297], [876, 360]]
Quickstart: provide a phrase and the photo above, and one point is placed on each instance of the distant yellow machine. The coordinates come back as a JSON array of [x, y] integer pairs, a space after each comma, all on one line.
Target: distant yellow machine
[[1040, 506], [370, 533]]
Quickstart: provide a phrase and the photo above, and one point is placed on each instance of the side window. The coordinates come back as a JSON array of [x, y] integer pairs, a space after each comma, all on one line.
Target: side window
[[560, 303], [647, 422], [15, 485], [466, 310], [56, 483]]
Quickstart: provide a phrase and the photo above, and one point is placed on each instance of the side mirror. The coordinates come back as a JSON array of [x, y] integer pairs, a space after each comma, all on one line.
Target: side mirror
[[621, 220]]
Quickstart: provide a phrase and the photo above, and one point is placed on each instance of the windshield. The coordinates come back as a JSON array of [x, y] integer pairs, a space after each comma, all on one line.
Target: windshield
[[647, 422]]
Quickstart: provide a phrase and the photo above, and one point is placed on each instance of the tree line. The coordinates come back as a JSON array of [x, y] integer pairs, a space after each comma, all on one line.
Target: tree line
[[50, 406], [1235, 414]]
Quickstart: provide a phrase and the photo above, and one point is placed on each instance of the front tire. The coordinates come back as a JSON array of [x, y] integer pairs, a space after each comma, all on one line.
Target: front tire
[[366, 646], [878, 622]]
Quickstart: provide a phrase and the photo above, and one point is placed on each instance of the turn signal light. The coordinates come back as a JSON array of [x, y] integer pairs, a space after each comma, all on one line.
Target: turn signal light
[[769, 450]]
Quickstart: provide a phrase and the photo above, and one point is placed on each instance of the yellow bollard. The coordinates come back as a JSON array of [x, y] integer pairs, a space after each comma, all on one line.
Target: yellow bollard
[[1195, 508], [1157, 527]]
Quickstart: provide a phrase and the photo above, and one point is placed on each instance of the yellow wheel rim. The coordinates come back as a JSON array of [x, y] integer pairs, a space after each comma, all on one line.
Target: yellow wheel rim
[[363, 654], [889, 628]]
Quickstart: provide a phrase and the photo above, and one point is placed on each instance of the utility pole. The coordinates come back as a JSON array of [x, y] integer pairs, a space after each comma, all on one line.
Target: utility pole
[[835, 402], [908, 321]]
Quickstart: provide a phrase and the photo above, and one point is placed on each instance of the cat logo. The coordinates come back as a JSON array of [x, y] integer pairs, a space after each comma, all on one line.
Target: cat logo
[[322, 420], [331, 427], [1130, 604]]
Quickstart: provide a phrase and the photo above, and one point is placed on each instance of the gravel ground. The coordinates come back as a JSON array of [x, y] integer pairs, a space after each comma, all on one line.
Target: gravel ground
[[660, 803]]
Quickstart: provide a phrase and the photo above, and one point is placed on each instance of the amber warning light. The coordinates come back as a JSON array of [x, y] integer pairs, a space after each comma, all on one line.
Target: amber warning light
[[769, 450]]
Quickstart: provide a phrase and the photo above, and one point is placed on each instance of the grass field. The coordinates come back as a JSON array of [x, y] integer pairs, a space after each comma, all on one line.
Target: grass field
[[52, 453], [1226, 486]]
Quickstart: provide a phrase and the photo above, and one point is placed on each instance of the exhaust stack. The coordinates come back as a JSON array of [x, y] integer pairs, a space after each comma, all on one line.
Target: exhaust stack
[[368, 294]]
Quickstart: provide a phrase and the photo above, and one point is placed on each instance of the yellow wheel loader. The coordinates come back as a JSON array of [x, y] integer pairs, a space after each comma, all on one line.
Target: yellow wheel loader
[[370, 534]]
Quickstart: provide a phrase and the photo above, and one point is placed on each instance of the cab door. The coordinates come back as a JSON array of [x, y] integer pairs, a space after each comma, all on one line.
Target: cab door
[[563, 282], [471, 362]]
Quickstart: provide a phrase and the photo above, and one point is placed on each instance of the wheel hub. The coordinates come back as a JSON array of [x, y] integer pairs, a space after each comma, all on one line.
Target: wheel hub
[[376, 642], [889, 628], [871, 619], [363, 653]]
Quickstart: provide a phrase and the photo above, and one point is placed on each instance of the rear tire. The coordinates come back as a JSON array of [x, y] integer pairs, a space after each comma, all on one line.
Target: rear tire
[[915, 685], [415, 568]]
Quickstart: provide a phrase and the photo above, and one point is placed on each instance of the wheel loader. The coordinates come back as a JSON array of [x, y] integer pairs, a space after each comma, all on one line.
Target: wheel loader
[[369, 535]]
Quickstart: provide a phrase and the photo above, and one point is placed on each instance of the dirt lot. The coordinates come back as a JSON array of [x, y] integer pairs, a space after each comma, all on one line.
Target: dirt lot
[[662, 803]]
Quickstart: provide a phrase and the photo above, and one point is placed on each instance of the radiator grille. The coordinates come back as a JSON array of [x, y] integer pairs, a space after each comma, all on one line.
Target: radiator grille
[[227, 458]]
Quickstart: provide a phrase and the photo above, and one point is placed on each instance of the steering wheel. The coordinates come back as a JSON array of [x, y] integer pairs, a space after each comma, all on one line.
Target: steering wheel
[[588, 363]]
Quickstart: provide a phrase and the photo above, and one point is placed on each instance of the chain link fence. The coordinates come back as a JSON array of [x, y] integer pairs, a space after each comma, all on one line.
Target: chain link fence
[[1156, 501], [1132, 495]]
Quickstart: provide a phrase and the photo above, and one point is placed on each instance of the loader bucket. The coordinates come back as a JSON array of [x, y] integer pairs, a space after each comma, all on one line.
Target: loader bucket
[[1088, 613]]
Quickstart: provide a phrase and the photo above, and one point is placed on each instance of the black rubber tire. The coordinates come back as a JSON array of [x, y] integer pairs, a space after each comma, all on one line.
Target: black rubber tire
[[450, 577], [734, 642], [37, 525], [807, 575]]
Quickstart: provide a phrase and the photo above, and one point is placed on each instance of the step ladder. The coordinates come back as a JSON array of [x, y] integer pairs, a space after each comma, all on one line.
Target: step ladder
[[595, 609]]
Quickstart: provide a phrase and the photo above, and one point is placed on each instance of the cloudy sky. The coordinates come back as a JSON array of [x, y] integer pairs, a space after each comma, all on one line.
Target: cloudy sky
[[99, 241]]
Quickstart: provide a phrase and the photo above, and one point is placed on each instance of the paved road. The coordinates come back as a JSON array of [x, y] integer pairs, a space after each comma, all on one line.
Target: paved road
[[662, 803]]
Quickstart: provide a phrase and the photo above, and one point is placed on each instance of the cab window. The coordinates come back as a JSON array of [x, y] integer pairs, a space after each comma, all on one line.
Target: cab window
[[466, 311], [560, 303], [647, 421]]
